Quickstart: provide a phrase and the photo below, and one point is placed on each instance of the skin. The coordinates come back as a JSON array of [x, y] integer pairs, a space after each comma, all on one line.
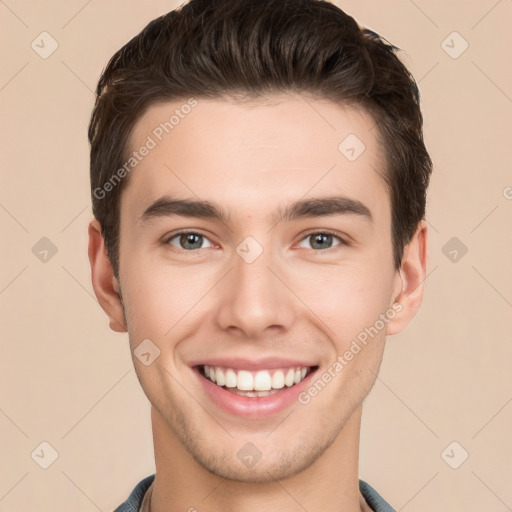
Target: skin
[[295, 300]]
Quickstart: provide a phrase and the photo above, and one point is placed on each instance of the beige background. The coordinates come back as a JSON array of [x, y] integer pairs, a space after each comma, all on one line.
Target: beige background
[[66, 379]]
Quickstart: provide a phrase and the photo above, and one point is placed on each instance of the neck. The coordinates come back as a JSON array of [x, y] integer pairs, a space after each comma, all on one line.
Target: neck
[[330, 483]]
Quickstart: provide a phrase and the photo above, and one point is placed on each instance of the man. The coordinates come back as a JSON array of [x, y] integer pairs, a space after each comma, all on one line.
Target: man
[[258, 178]]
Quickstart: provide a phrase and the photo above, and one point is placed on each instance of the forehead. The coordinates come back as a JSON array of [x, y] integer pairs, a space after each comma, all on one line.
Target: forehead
[[250, 155]]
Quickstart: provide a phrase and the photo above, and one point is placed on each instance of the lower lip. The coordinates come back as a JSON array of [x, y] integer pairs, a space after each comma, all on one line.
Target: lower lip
[[253, 407]]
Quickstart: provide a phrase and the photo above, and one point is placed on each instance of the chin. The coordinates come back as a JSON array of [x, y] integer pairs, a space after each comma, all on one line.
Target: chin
[[250, 462]]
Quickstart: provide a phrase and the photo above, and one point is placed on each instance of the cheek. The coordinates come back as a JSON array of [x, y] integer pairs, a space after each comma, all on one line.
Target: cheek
[[161, 299], [347, 298]]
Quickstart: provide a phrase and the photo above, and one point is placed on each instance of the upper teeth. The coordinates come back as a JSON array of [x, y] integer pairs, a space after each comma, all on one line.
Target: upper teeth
[[262, 380]]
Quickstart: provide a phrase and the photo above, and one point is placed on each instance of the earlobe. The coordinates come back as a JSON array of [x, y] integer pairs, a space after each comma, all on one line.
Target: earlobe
[[106, 287], [412, 274]]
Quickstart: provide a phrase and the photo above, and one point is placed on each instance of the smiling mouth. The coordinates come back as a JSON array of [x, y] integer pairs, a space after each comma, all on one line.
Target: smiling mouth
[[255, 383]]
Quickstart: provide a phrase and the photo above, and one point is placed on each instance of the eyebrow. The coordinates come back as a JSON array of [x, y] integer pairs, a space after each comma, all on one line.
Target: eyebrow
[[305, 208]]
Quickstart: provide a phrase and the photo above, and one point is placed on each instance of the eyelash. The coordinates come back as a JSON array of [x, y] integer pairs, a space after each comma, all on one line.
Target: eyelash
[[306, 235]]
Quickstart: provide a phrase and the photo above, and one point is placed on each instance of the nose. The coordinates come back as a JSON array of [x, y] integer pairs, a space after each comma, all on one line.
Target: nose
[[255, 299]]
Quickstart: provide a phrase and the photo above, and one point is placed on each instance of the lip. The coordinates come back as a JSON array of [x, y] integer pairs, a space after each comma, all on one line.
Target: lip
[[252, 407], [266, 363]]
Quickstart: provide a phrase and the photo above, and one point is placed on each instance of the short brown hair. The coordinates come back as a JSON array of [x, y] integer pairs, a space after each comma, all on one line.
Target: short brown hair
[[249, 49]]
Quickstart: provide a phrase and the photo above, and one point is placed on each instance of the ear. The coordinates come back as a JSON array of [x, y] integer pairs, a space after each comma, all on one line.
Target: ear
[[104, 282], [408, 292]]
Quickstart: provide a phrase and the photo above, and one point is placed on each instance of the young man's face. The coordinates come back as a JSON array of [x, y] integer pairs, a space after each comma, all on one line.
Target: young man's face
[[254, 291]]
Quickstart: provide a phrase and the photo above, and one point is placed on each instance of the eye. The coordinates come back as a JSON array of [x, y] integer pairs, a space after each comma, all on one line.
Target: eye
[[191, 240], [188, 240], [322, 240]]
